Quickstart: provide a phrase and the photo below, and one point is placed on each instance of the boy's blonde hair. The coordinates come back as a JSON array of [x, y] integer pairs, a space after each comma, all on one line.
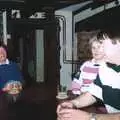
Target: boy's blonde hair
[[95, 39]]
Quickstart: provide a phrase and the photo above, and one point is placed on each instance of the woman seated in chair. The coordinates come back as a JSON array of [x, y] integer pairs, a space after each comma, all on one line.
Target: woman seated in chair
[[11, 81]]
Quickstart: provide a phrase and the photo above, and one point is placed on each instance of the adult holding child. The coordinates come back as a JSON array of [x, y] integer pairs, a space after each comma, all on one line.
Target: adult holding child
[[89, 69], [106, 87]]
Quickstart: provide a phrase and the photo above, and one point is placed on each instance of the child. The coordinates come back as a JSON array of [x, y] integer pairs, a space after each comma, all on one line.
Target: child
[[90, 68]]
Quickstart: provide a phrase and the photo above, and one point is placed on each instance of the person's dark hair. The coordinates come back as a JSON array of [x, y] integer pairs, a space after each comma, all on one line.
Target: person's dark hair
[[112, 34]]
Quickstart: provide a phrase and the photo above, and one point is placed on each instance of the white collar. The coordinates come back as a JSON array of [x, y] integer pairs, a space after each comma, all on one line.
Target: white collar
[[100, 63], [6, 62]]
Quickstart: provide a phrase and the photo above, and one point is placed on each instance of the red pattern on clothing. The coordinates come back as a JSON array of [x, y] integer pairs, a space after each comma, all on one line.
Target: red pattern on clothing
[[87, 81], [90, 69], [75, 86]]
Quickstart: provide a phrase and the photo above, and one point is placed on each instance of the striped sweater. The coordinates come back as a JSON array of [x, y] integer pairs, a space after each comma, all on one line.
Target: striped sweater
[[106, 85], [89, 71]]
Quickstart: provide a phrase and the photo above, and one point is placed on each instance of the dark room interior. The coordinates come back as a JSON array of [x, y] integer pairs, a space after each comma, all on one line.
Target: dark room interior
[[38, 99]]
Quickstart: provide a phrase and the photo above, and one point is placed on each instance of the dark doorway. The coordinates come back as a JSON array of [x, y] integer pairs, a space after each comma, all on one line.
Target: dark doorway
[[38, 99], [23, 48]]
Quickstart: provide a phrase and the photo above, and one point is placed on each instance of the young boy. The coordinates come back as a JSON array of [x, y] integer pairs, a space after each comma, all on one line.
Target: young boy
[[89, 69]]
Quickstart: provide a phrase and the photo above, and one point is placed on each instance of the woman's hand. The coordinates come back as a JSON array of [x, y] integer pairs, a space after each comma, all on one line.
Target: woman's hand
[[7, 87]]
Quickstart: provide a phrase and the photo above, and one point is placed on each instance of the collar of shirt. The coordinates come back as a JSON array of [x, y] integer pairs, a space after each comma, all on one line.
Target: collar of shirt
[[98, 63], [6, 62]]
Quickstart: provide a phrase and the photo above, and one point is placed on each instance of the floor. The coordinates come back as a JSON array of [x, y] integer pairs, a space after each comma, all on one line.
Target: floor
[[36, 103]]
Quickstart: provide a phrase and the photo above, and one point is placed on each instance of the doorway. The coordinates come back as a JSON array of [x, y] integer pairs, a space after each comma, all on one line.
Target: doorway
[[37, 41], [26, 47]]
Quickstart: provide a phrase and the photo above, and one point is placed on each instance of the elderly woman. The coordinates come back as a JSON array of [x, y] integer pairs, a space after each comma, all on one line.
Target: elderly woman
[[11, 81], [10, 75]]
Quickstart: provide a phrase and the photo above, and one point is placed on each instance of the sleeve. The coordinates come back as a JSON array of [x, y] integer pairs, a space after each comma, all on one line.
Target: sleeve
[[17, 72], [76, 85], [81, 71], [10, 72], [96, 91], [111, 96], [82, 66]]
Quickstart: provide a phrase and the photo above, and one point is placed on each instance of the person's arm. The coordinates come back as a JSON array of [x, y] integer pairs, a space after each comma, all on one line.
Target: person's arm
[[84, 100], [112, 116], [73, 114]]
